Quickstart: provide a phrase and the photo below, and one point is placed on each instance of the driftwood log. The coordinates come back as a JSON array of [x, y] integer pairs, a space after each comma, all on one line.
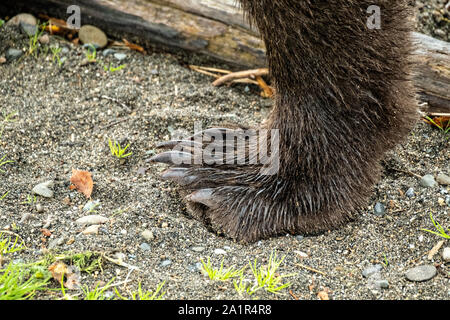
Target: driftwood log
[[217, 28]]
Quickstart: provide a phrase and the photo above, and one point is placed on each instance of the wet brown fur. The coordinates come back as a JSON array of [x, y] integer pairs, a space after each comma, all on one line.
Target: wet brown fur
[[343, 99]]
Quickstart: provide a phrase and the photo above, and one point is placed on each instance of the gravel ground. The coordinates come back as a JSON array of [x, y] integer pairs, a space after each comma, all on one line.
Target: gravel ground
[[433, 18], [63, 122]]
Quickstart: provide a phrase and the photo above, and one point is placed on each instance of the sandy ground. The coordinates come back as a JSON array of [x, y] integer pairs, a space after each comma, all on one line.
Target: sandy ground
[[63, 122]]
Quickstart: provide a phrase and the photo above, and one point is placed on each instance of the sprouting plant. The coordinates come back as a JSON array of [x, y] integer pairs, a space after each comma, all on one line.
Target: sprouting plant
[[439, 125], [6, 118], [441, 231], [20, 282], [386, 262], [117, 151], [8, 246], [4, 196], [267, 278], [33, 39], [29, 200], [145, 295], [91, 53], [1, 22], [110, 68], [220, 274], [55, 53], [3, 162], [97, 293]]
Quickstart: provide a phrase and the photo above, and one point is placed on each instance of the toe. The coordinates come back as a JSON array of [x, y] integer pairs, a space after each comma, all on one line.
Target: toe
[[172, 157], [204, 196]]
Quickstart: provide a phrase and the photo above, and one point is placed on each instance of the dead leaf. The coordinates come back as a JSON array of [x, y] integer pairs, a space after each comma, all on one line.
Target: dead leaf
[[133, 46], [82, 181], [59, 270]]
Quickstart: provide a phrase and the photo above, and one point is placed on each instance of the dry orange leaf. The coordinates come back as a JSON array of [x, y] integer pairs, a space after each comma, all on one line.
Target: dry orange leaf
[[46, 232], [323, 295], [133, 46], [82, 181]]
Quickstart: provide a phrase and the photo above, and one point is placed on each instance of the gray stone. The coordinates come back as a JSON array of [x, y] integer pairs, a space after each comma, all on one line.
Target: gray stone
[[299, 238], [198, 249], [443, 179], [56, 242], [410, 193], [108, 52], [22, 17], [92, 35], [145, 246], [379, 209], [427, 181], [91, 205], [91, 219], [369, 271], [43, 189], [195, 267], [421, 273], [12, 54], [166, 263], [220, 251], [120, 56], [39, 208], [28, 29]]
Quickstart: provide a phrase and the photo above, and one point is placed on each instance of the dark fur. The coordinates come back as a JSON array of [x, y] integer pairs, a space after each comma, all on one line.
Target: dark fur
[[343, 99]]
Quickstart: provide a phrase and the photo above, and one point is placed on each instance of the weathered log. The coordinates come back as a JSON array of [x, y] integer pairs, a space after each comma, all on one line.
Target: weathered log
[[216, 28]]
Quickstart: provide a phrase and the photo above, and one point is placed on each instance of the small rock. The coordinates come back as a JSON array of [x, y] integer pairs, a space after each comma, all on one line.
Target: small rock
[[145, 246], [299, 238], [421, 273], [379, 209], [28, 29], [427, 181], [93, 229], [42, 189], [198, 249], [166, 263], [92, 35], [44, 39], [443, 179], [410, 193], [195, 267], [164, 225], [441, 202], [220, 251], [446, 254], [372, 270], [92, 219], [22, 17], [108, 52], [147, 235], [12, 54], [380, 284], [56, 242], [91, 205], [2, 59], [120, 56], [39, 208]]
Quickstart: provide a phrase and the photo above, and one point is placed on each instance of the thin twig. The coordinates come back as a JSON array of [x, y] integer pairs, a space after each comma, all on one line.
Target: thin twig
[[123, 105], [310, 269], [240, 75], [408, 172]]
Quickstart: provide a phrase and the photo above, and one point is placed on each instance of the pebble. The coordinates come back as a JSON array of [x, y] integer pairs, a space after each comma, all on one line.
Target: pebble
[[22, 17], [92, 219], [198, 249], [145, 246], [195, 267], [379, 209], [410, 193], [43, 189], [372, 270], [108, 52], [92, 35], [299, 238], [380, 284], [427, 181], [2, 59], [443, 179], [220, 251], [91, 229], [39, 208], [56, 242], [91, 205], [147, 235], [446, 254], [12, 54], [120, 56], [421, 273], [44, 39], [166, 263], [28, 29]]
